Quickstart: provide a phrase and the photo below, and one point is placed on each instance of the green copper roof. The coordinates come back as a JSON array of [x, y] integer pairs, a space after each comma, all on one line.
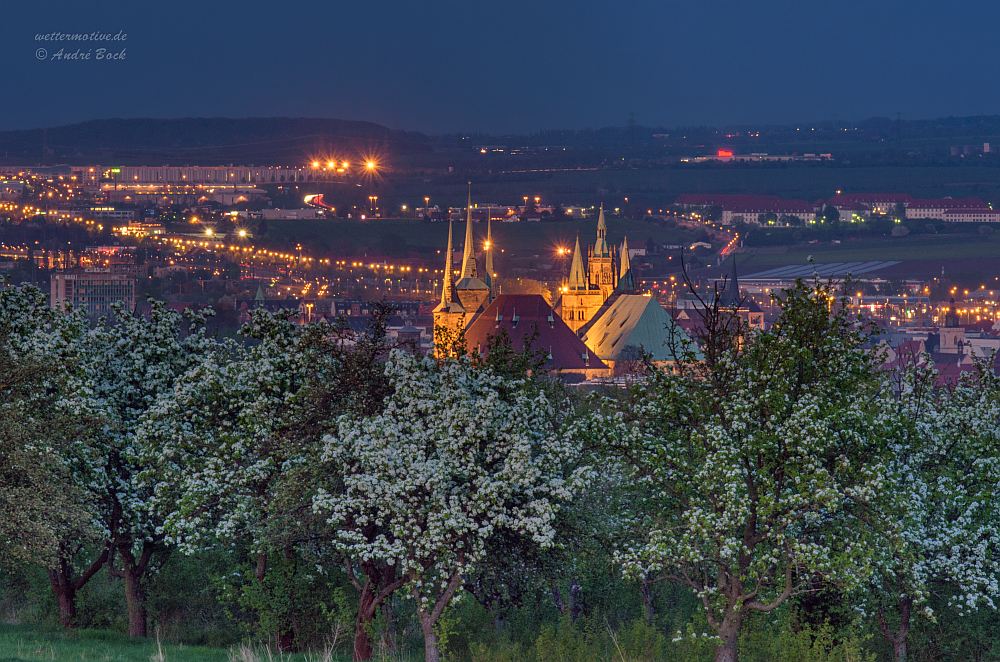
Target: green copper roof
[[633, 320]]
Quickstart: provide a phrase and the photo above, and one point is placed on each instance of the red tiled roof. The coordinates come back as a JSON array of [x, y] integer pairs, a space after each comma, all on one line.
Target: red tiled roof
[[872, 198], [947, 203], [777, 207], [984, 326], [845, 202], [723, 199], [984, 210], [566, 349]]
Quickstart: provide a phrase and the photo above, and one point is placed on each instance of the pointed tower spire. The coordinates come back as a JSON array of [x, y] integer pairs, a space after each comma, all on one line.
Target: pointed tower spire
[[626, 281], [731, 294], [577, 276], [469, 269], [448, 303], [601, 247], [490, 279]]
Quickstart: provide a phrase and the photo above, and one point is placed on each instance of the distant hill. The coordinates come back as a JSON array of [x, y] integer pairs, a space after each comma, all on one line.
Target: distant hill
[[204, 141]]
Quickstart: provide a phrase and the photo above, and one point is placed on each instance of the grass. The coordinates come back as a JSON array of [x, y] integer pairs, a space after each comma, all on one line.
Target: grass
[[21, 643]]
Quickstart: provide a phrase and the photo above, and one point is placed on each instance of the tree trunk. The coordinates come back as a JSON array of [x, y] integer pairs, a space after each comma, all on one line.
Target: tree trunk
[[65, 587], [66, 594], [899, 650], [428, 619], [729, 634], [431, 651], [389, 616], [726, 651], [382, 583], [366, 614], [557, 599], [261, 570], [135, 599], [133, 571], [647, 598], [575, 603], [897, 638], [286, 641]]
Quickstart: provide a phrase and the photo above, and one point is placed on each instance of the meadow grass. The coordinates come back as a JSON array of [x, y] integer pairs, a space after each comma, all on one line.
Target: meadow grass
[[24, 643]]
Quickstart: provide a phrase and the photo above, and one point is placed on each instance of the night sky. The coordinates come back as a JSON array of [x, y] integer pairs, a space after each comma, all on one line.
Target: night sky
[[506, 66]]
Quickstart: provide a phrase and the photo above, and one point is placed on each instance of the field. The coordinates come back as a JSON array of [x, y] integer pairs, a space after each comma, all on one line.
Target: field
[[913, 247], [659, 186], [397, 237], [20, 643], [970, 260], [655, 187]]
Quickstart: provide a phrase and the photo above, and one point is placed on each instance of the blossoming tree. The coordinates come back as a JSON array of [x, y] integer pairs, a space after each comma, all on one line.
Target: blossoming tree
[[754, 465], [233, 449], [48, 513], [944, 467], [457, 455], [124, 365]]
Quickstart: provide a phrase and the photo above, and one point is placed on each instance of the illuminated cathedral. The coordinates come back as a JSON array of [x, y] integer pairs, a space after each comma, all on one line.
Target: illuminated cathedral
[[598, 323], [463, 301], [587, 288]]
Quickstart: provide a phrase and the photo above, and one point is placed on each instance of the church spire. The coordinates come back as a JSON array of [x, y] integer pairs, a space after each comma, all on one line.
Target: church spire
[[490, 277], [731, 292], [626, 281], [448, 303], [601, 247], [469, 269], [577, 276]]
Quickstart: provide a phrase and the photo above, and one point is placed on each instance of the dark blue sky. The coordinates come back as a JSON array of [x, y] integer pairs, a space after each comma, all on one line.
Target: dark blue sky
[[507, 65]]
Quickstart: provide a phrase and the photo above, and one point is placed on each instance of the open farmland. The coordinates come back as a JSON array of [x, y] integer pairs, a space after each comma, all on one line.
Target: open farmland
[[398, 237]]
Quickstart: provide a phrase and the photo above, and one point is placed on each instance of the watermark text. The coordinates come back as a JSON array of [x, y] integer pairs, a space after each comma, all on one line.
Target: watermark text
[[121, 35]]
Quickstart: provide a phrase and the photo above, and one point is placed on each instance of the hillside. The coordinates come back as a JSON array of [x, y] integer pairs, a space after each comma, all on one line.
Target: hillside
[[202, 141]]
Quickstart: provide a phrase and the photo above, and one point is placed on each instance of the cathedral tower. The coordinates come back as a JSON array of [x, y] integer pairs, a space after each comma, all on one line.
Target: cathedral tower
[[600, 263], [472, 292], [449, 315], [490, 276], [586, 290]]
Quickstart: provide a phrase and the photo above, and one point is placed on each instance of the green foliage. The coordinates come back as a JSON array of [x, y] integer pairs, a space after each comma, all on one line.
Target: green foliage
[[781, 637]]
